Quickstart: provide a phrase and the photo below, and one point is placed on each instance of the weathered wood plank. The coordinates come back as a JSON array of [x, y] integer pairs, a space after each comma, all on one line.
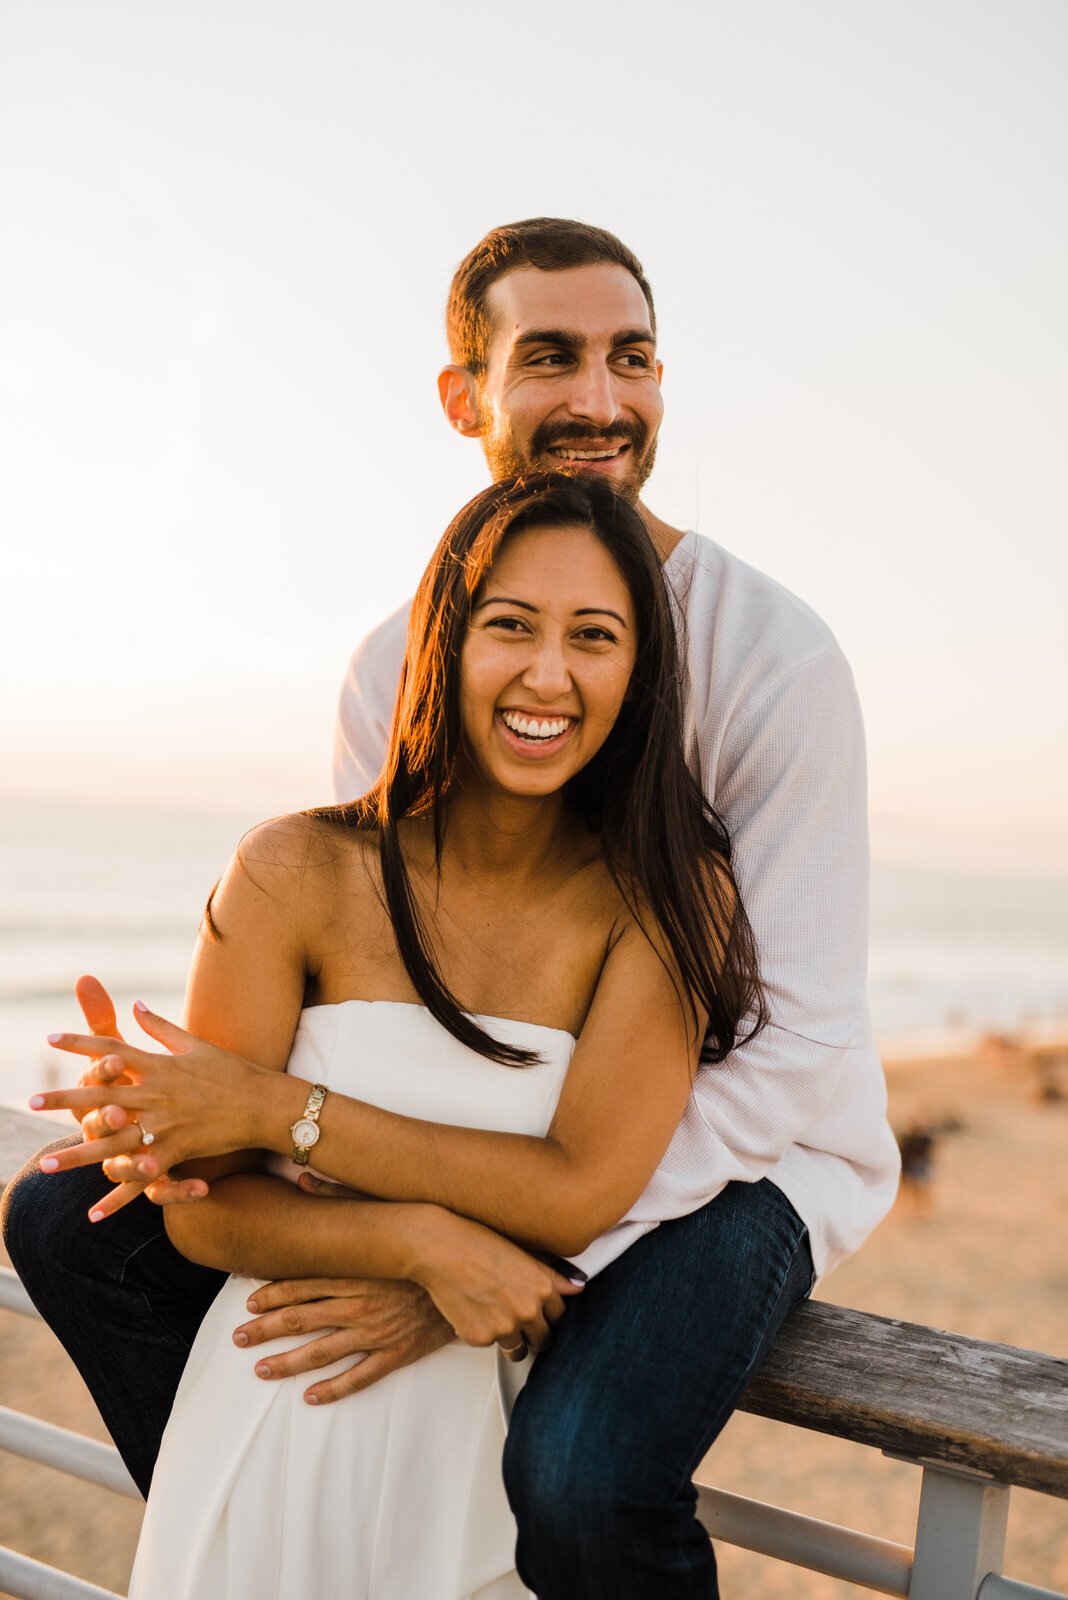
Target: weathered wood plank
[[919, 1392], [21, 1135]]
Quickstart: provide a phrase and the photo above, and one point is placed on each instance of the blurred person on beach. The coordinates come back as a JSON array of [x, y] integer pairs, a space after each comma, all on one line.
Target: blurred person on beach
[[783, 1161]]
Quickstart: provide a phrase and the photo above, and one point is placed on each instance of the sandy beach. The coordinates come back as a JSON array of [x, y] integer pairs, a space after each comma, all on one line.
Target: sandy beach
[[982, 1253]]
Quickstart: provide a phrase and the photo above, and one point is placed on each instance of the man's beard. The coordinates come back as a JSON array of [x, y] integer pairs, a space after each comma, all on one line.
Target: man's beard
[[506, 460]]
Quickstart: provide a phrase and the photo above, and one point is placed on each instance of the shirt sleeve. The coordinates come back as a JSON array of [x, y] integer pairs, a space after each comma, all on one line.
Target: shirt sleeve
[[365, 708], [791, 786]]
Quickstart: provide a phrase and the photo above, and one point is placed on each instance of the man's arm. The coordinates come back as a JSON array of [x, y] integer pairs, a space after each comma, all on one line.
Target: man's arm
[[365, 707]]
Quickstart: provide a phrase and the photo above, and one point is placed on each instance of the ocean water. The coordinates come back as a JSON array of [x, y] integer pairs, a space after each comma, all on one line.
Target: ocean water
[[120, 893]]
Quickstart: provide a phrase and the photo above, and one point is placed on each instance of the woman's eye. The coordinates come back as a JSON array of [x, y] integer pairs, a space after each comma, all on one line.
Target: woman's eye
[[507, 624], [597, 635]]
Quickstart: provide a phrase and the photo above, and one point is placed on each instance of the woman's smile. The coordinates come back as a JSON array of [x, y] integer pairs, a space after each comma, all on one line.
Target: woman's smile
[[535, 735]]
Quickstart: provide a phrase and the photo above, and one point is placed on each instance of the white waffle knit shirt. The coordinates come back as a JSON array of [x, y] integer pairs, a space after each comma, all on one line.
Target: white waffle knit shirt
[[773, 726]]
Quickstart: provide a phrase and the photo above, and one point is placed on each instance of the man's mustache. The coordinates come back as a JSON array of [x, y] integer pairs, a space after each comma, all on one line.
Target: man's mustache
[[576, 433]]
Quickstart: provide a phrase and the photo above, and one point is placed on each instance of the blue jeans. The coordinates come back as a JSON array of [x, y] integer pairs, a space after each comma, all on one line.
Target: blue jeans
[[648, 1364], [117, 1294]]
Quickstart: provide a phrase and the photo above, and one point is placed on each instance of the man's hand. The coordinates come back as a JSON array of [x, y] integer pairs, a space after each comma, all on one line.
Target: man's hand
[[384, 1324]]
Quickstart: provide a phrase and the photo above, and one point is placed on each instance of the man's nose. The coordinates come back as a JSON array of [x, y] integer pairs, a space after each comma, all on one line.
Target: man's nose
[[592, 395]]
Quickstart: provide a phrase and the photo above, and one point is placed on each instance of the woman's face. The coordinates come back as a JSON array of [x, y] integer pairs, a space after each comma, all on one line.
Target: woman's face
[[546, 660]]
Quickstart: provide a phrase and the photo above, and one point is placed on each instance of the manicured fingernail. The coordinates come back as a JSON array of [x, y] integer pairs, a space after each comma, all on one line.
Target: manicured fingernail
[[49, 1164], [252, 1305], [263, 1370], [139, 1005], [241, 1339], [311, 1399], [96, 1216], [54, 1038], [36, 1102], [578, 1282]]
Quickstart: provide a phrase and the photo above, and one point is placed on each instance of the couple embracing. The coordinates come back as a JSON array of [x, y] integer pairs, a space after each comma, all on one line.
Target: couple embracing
[[522, 1069]]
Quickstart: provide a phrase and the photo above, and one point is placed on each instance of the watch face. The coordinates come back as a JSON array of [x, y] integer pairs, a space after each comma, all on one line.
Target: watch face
[[305, 1133]]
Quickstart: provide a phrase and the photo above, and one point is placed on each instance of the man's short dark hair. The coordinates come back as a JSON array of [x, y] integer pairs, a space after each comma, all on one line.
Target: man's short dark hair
[[551, 244]]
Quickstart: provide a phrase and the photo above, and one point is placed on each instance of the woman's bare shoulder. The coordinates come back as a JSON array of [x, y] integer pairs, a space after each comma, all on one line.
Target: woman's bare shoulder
[[300, 856]]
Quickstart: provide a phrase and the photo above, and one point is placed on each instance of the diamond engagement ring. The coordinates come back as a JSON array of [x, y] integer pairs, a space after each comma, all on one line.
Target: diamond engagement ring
[[146, 1138]]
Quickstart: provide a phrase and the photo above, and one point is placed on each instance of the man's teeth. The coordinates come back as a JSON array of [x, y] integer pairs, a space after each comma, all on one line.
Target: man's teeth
[[567, 454], [533, 728]]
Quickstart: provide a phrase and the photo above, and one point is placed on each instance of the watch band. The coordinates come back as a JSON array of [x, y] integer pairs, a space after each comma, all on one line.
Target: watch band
[[305, 1131]]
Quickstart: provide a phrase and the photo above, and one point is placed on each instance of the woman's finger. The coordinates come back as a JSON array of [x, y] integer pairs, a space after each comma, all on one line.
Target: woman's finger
[[126, 1096], [538, 1336], [93, 1044], [135, 1168], [100, 1124], [93, 1152], [114, 1201], [97, 1006], [169, 1034], [168, 1191]]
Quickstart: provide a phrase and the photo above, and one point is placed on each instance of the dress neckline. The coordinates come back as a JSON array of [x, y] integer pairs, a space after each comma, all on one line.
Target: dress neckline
[[414, 1005]]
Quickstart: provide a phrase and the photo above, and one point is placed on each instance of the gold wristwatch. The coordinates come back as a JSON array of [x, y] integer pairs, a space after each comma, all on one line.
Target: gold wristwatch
[[305, 1131]]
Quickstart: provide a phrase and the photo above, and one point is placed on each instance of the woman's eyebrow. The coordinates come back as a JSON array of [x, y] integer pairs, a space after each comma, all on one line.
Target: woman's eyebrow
[[525, 605], [503, 600]]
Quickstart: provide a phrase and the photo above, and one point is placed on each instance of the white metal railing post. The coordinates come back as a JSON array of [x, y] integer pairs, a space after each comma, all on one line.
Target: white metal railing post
[[960, 1533]]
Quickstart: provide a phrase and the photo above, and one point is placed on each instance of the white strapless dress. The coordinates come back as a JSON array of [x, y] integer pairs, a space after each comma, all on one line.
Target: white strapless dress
[[391, 1494]]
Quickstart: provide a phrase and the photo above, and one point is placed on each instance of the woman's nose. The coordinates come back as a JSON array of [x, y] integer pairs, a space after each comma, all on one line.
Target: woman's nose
[[547, 672]]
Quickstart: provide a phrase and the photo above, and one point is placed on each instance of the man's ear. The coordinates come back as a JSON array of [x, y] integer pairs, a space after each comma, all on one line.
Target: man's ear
[[458, 392]]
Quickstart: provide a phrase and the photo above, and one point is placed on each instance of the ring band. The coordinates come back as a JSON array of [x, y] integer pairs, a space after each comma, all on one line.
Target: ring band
[[513, 1350], [146, 1138]]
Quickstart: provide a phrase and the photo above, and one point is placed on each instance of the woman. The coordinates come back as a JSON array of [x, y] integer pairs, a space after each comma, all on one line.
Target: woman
[[529, 927]]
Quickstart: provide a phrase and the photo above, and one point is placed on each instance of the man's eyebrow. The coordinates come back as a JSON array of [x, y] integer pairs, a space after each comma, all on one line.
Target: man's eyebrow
[[568, 339], [558, 336], [525, 605], [632, 336]]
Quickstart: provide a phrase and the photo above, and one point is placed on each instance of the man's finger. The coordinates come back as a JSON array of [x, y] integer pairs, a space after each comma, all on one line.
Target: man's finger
[[294, 1291], [308, 1357], [361, 1375]]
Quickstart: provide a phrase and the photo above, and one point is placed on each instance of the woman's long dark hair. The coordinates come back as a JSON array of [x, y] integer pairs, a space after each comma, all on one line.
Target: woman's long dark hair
[[665, 847]]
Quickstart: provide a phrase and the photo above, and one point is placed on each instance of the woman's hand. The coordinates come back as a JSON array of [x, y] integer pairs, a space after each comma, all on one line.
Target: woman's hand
[[488, 1289], [196, 1101], [98, 1008]]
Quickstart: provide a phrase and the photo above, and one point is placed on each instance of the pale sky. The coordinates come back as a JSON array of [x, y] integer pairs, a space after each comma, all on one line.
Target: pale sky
[[228, 235]]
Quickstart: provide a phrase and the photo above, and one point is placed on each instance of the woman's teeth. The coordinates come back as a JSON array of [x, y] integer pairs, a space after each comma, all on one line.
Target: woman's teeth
[[532, 728]]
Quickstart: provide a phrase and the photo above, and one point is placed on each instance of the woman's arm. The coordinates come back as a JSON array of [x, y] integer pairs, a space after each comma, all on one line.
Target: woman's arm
[[624, 1094]]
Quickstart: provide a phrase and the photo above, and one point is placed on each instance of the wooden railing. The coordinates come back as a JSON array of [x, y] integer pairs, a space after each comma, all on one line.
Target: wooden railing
[[977, 1419]]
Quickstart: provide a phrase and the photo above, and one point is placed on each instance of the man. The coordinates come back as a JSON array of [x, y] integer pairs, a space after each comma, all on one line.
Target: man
[[783, 1161]]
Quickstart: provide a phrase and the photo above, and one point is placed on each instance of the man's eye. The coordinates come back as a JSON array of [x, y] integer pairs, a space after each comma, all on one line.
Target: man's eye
[[550, 358], [634, 358]]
